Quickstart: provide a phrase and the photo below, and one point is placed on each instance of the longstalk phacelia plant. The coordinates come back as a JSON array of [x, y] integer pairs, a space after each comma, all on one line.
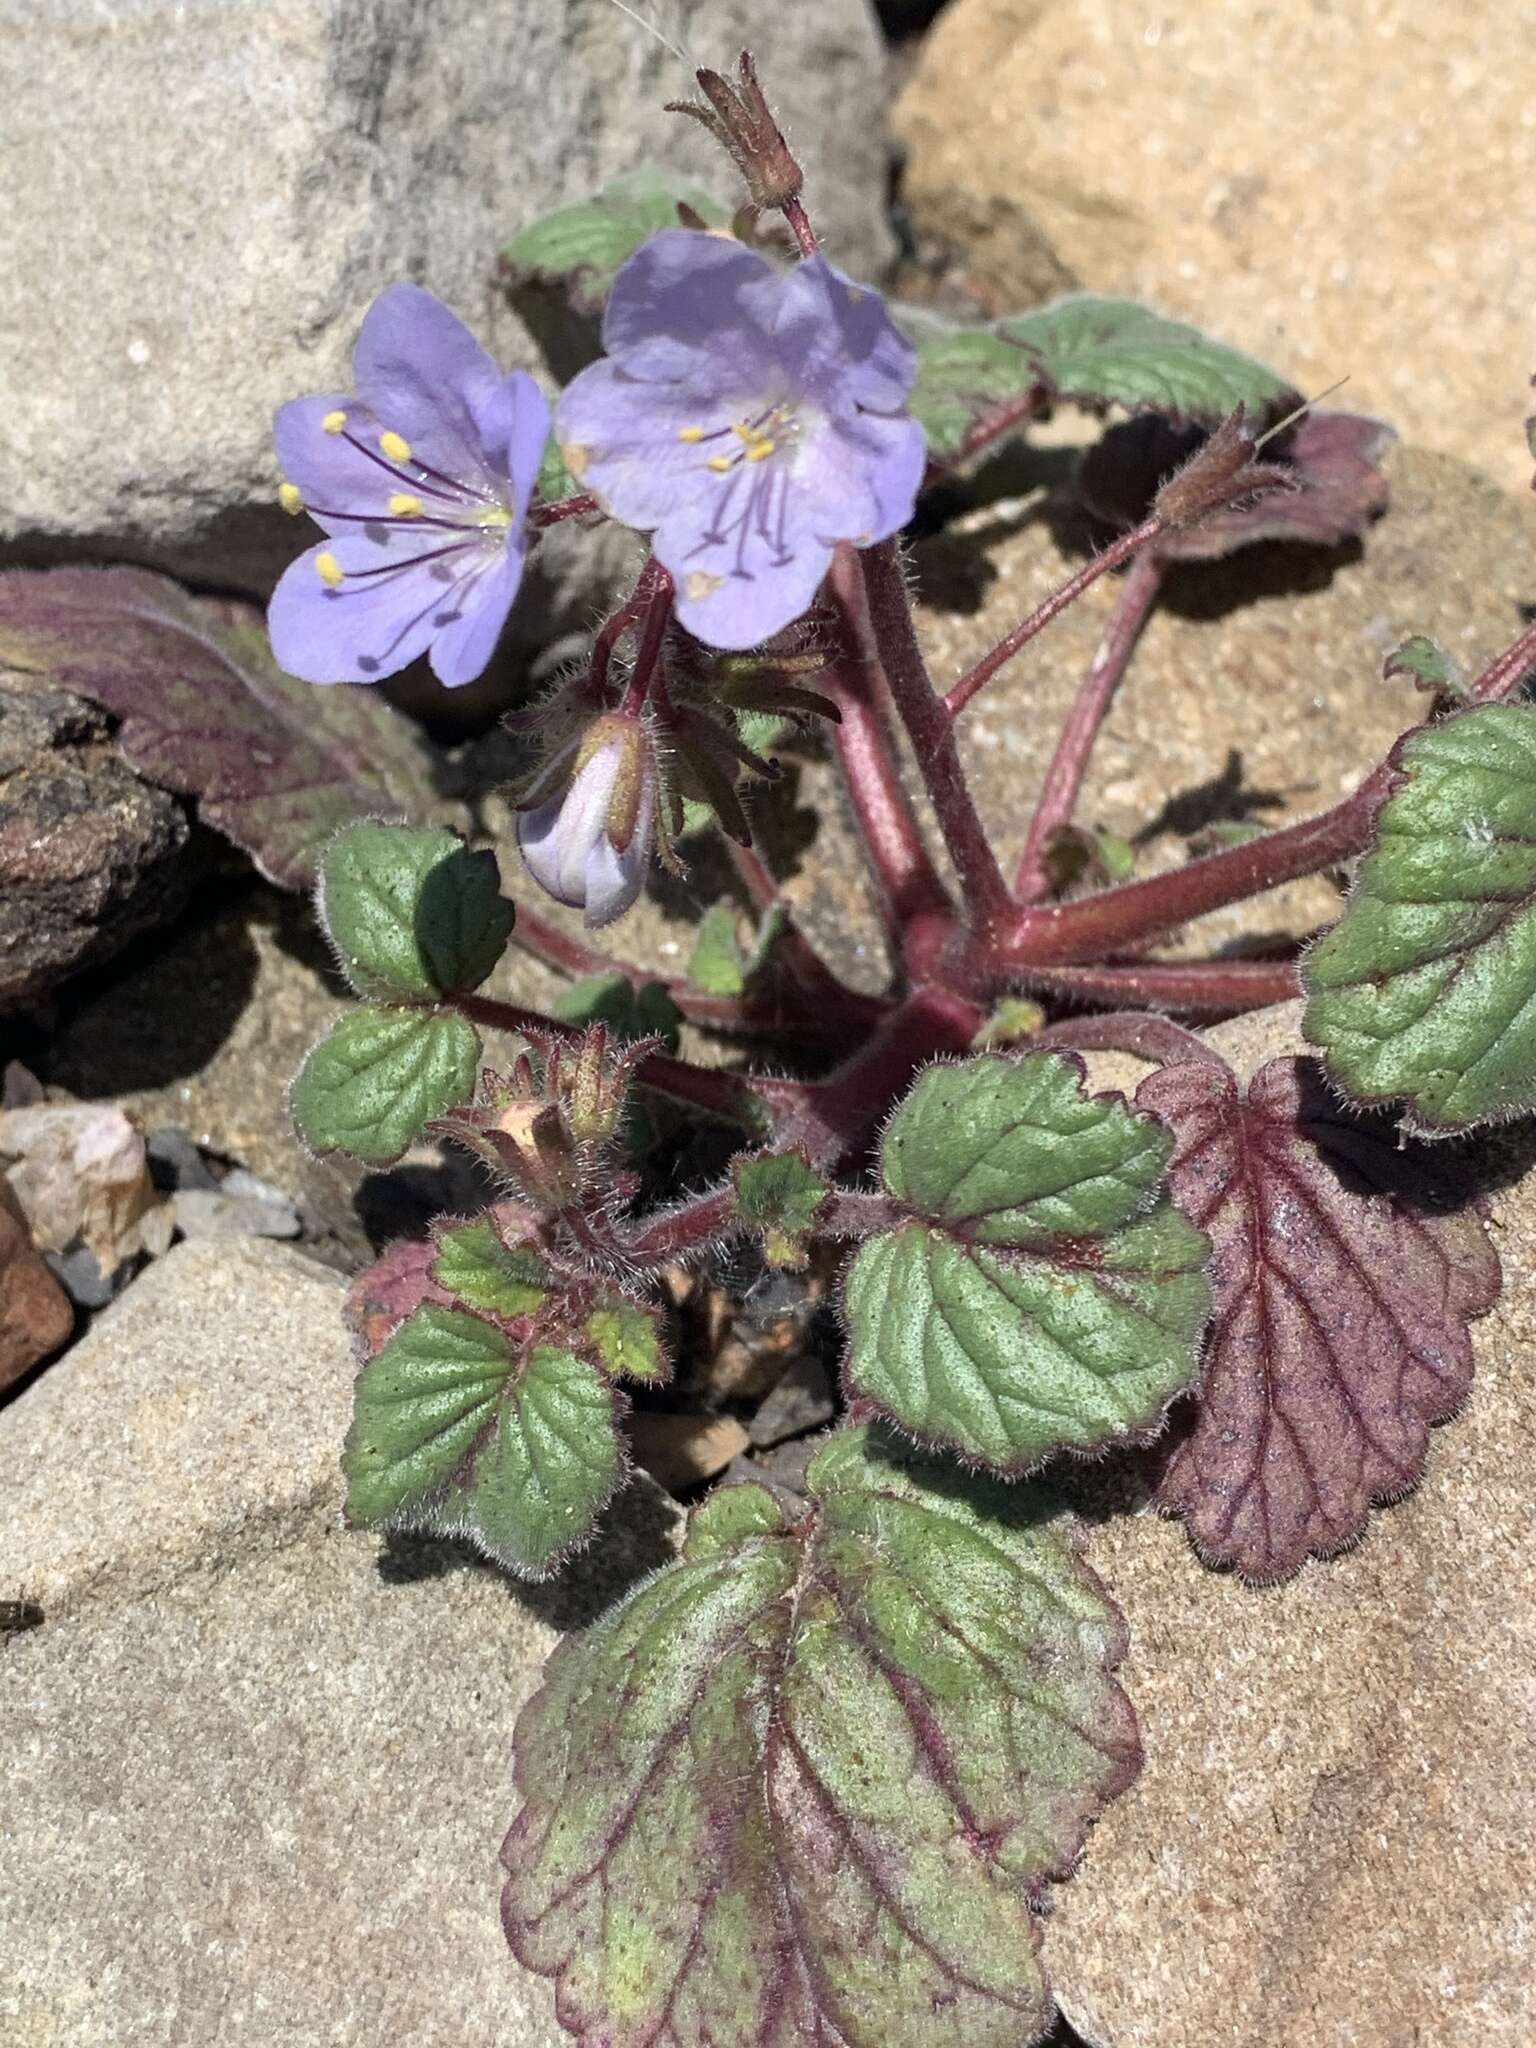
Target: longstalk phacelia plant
[[808, 1784]]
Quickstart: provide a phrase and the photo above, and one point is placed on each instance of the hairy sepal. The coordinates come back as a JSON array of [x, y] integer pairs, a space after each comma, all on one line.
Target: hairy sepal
[[1045, 1294], [806, 1785]]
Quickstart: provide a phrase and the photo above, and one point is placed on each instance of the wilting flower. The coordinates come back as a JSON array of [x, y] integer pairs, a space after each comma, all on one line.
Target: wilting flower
[[591, 845], [421, 481], [751, 418]]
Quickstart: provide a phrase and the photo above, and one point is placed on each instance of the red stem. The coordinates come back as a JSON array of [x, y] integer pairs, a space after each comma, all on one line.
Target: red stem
[[563, 508], [1210, 987], [1113, 920], [835, 1118], [1506, 669], [931, 732], [791, 948], [1157, 1039], [1069, 764], [704, 1219], [913, 901], [655, 619], [800, 226], [1001, 420], [976, 678]]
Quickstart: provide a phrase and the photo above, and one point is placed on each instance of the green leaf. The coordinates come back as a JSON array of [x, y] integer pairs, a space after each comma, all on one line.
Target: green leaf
[[1428, 663], [847, 1757], [782, 1195], [1425, 990], [374, 1082], [1046, 1294], [454, 1434], [412, 913], [717, 966], [629, 1012], [475, 1265], [1116, 352], [582, 246], [963, 373], [627, 1339]]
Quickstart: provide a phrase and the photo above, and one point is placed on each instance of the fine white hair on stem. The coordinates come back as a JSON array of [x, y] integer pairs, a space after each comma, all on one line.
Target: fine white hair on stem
[[650, 28]]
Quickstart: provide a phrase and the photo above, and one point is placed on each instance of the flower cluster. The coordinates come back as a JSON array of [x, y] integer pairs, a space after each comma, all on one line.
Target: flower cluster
[[749, 418]]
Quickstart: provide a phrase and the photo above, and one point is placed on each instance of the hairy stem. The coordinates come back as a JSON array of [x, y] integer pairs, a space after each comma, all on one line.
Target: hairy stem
[[834, 1119], [1069, 764], [1113, 920], [1202, 987], [1118, 551], [1149, 1038], [931, 732], [686, 1227], [912, 898], [1001, 421], [1506, 670]]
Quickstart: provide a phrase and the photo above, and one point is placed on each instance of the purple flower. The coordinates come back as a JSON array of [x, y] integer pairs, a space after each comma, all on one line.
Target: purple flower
[[421, 481], [749, 417], [591, 845]]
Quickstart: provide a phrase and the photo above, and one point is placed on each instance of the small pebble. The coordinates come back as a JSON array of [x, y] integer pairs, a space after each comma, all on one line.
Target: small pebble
[[201, 1212], [176, 1161]]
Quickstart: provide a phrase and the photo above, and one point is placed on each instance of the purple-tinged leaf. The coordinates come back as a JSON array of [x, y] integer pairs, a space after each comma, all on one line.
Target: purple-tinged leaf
[[276, 764], [393, 1287], [1345, 1271], [1332, 458], [804, 1788]]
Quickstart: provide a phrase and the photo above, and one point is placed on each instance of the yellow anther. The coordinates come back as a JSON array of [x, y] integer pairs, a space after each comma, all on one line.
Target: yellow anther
[[721, 463], [743, 432], [690, 433], [329, 569], [334, 422], [404, 506], [395, 446], [290, 498], [760, 450]]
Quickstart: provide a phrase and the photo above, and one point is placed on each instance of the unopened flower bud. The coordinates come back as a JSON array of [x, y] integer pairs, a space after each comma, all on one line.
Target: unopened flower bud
[[591, 845]]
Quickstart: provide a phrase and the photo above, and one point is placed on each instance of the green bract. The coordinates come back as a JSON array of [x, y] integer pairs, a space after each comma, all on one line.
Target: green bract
[[413, 914], [379, 1076], [457, 1433], [473, 1264], [804, 1784], [1426, 987], [582, 246], [1045, 1295]]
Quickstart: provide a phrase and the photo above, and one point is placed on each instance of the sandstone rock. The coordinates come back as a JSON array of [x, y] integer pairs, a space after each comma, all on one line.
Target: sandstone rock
[[257, 1767], [35, 1315], [90, 856], [1304, 180], [202, 201], [1332, 1839]]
